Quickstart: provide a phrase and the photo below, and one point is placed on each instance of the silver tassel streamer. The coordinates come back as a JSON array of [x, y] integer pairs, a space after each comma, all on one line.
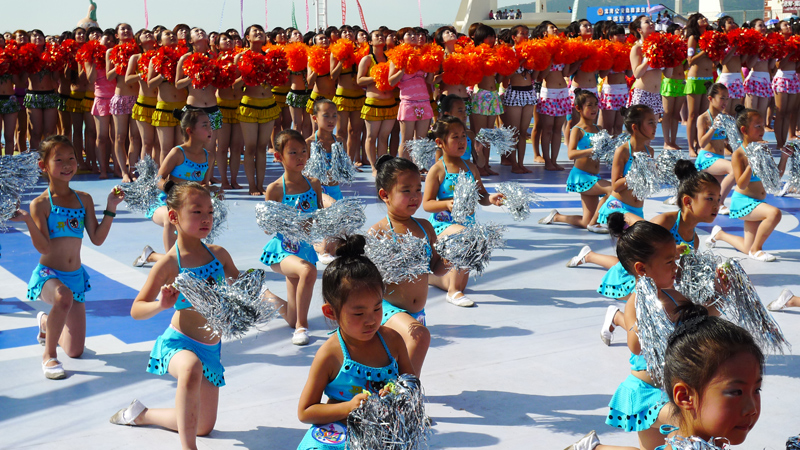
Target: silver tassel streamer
[[793, 165], [423, 152], [328, 168], [18, 173], [230, 310], [518, 199], [726, 123], [274, 217], [642, 178], [220, 217], [317, 164], [502, 140], [743, 307], [697, 278], [604, 145], [465, 198], [343, 171], [143, 193], [665, 164], [654, 328], [343, 217], [471, 248], [764, 166], [793, 443], [400, 258], [694, 443], [395, 421]]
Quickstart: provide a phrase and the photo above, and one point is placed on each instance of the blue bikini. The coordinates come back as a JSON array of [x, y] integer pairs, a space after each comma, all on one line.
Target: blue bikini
[[62, 222], [278, 248], [353, 379], [742, 205], [467, 156], [335, 192], [616, 205], [389, 309], [443, 219], [188, 170], [706, 159], [580, 180]]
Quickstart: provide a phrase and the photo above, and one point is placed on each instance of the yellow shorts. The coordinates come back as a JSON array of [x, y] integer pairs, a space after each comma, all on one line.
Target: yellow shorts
[[279, 93], [379, 109], [74, 102], [143, 109], [87, 102], [229, 110], [349, 99], [258, 110], [310, 103], [162, 116]]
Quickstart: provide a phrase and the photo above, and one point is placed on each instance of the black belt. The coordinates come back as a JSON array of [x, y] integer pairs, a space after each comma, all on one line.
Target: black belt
[[521, 88], [208, 109]]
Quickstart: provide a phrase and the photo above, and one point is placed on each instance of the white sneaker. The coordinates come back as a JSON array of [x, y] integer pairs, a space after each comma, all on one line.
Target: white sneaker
[[607, 332], [126, 416], [462, 301], [588, 442], [762, 256], [599, 228], [300, 336], [672, 200], [581, 258], [56, 372], [141, 260], [780, 303], [325, 258], [711, 240], [549, 218], [724, 210]]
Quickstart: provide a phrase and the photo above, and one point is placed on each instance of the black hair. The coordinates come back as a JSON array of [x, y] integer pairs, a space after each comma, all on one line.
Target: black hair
[[692, 28], [308, 38], [541, 30], [388, 167], [447, 103], [671, 28], [111, 34], [573, 29], [715, 89], [722, 21], [330, 30], [482, 33], [246, 37], [441, 128], [321, 101], [177, 192], [635, 27], [754, 22], [505, 36], [599, 29], [49, 144], [634, 115], [582, 96], [691, 180], [188, 118], [517, 29], [637, 242], [743, 116], [91, 30], [351, 271], [285, 136], [440, 31]]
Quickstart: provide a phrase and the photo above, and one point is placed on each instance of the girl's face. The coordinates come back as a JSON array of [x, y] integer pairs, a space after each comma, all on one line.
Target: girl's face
[[293, 155], [168, 38], [327, 118], [552, 30], [730, 403], [458, 109], [646, 27], [195, 216], [21, 38], [362, 37], [361, 314], [280, 38], [422, 39], [256, 37], [106, 40], [225, 43], [730, 25], [147, 37], [621, 38], [705, 204], [37, 39], [455, 143], [720, 101], [490, 41], [755, 129], [410, 38], [182, 33], [80, 36], [589, 109], [586, 29], [321, 40], [786, 29], [296, 36], [378, 40], [61, 165], [662, 266], [51, 40], [348, 34], [199, 34], [702, 22], [124, 32], [760, 27], [647, 128], [201, 131], [237, 42], [95, 35], [405, 196], [521, 36], [448, 36], [334, 36]]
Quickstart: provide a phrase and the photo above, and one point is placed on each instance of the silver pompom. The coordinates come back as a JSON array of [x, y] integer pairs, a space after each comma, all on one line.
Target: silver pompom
[[697, 278], [343, 217], [423, 152], [665, 164], [743, 307], [793, 165], [220, 223], [400, 258], [502, 140], [471, 248], [396, 421], [642, 178], [328, 168], [278, 218], [654, 327], [143, 193], [230, 310], [465, 198], [604, 145], [317, 164], [727, 124], [18, 173], [343, 171], [764, 166], [694, 443], [518, 199], [793, 443]]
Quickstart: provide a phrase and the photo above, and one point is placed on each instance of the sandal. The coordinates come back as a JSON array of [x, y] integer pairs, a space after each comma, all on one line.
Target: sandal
[[41, 337], [53, 372]]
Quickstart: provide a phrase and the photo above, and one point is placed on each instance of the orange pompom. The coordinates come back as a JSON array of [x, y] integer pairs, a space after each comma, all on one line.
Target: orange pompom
[[319, 60], [622, 56], [431, 58], [507, 60], [361, 51], [556, 47], [601, 59], [401, 55], [380, 74], [472, 70], [296, 56], [344, 50], [453, 69], [535, 54]]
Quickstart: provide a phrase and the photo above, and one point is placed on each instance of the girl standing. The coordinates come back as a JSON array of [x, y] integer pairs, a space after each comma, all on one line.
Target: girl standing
[[349, 99], [713, 143], [121, 107], [647, 87], [41, 100], [487, 104], [614, 94], [553, 108], [9, 109], [101, 111], [699, 77], [170, 98], [323, 86], [786, 87], [145, 105], [731, 75], [758, 85], [673, 98], [229, 136], [298, 95], [519, 100]]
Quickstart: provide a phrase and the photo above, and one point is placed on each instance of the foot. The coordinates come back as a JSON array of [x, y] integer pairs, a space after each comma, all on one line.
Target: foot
[[41, 319], [325, 258], [588, 442], [547, 220], [141, 260], [53, 370], [518, 170], [762, 256], [254, 192], [300, 336], [599, 228], [128, 416], [459, 299], [126, 178], [103, 176], [581, 258], [780, 302], [711, 240], [538, 159], [489, 171], [671, 200], [227, 186], [607, 332], [357, 164], [236, 185], [724, 210], [551, 167], [784, 190]]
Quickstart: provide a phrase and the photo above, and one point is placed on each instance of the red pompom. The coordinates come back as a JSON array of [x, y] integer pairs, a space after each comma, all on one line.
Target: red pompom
[[144, 63], [296, 56], [93, 52], [664, 50], [253, 66], [277, 68], [165, 63], [121, 54], [774, 47], [28, 59], [793, 48], [747, 41], [622, 56], [715, 44], [227, 71], [506, 59], [631, 39], [361, 51], [344, 50], [465, 42], [181, 48], [380, 74], [319, 60], [537, 54], [200, 69], [70, 48], [54, 58]]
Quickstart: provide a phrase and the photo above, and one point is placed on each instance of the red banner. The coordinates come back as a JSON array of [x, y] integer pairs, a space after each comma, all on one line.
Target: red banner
[[361, 13], [344, 12]]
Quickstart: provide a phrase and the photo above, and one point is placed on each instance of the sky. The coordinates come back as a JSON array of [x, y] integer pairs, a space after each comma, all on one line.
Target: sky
[[60, 15]]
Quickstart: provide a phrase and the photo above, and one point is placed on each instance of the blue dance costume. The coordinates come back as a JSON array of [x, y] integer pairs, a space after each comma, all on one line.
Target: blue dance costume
[[580, 180], [742, 205], [335, 192], [172, 341], [467, 156], [278, 248], [62, 222], [443, 219], [706, 159], [353, 378], [616, 205], [187, 170], [389, 309], [635, 405]]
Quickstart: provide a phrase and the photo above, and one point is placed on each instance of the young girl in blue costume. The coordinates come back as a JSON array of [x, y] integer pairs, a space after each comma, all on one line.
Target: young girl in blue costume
[[361, 356], [583, 178], [56, 223], [188, 349], [325, 118], [453, 105], [747, 203], [451, 137], [189, 161], [400, 189], [294, 260], [714, 142]]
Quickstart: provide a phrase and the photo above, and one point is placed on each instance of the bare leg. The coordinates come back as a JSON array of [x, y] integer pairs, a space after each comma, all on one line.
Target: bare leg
[[166, 139], [223, 143], [120, 135], [300, 277], [416, 337], [555, 143]]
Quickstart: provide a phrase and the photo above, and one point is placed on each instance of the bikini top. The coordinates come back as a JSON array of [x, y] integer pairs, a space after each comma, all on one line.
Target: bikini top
[[718, 134], [638, 362], [586, 141], [65, 222], [467, 153], [630, 160], [448, 185], [189, 170], [753, 176], [556, 67], [427, 239], [306, 201], [212, 272], [354, 378], [325, 154], [347, 70], [678, 238]]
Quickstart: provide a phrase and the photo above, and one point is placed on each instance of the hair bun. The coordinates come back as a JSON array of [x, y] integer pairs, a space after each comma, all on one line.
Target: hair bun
[[351, 246], [177, 113], [616, 224], [383, 159], [739, 108], [624, 111], [684, 169], [578, 91]]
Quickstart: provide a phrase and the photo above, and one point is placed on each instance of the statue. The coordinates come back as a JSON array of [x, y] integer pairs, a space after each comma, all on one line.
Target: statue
[[91, 17]]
